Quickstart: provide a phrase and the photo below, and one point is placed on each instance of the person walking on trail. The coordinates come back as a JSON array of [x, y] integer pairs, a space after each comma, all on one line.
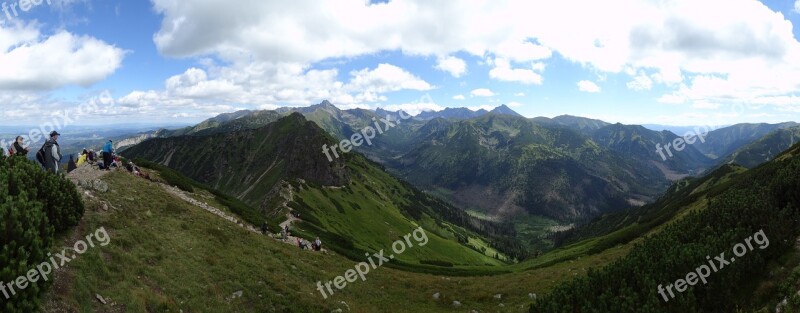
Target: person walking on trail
[[18, 148], [108, 154], [52, 153], [264, 228], [317, 246]]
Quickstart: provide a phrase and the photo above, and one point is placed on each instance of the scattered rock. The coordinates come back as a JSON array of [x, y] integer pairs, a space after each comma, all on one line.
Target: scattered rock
[[436, 296], [97, 185], [456, 304], [105, 206], [236, 295], [498, 296], [100, 298]]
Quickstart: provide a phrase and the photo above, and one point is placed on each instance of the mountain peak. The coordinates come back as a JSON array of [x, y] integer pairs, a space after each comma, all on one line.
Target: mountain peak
[[326, 103], [504, 109]]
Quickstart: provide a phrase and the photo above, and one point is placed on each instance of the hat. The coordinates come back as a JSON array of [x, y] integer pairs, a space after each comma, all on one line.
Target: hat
[[54, 133]]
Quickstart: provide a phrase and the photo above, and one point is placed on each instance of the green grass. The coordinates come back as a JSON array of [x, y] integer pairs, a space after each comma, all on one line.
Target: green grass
[[166, 255], [375, 221]]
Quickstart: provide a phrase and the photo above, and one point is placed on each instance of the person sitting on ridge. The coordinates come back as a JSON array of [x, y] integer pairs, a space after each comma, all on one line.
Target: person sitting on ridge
[[18, 148]]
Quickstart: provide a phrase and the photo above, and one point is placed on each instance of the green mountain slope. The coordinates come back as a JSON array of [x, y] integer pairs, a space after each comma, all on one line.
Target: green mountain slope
[[346, 202], [508, 165], [724, 141], [640, 143], [766, 148], [733, 206]]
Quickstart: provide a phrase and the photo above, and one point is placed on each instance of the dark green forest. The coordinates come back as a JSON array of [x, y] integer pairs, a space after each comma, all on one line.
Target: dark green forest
[[765, 198]]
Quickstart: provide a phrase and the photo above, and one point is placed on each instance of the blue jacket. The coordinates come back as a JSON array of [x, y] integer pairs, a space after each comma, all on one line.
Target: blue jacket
[[108, 148]]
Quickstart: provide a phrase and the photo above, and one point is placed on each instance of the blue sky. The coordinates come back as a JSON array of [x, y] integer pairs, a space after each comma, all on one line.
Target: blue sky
[[167, 61]]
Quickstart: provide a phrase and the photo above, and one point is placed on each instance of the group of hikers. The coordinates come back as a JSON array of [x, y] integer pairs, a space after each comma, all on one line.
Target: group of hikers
[[316, 245], [50, 156]]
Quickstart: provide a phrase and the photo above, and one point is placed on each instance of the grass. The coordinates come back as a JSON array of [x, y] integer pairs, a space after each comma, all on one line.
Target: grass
[[166, 255]]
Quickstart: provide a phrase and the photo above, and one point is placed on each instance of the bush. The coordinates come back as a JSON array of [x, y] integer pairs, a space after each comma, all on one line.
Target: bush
[[33, 206]]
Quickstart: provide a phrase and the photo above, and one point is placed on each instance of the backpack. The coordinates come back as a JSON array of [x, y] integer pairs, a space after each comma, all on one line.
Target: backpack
[[40, 155]]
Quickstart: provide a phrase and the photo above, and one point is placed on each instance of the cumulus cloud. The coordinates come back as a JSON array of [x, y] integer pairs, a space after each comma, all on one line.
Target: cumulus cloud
[[588, 86], [482, 92], [31, 60], [640, 82], [459, 97], [746, 53], [386, 78], [453, 65], [503, 71]]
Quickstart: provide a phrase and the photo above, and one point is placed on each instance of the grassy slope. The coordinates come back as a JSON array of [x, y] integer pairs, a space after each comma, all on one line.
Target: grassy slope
[[168, 255], [368, 212]]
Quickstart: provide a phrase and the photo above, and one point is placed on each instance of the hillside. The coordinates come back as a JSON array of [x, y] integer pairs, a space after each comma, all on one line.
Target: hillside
[[168, 254], [349, 202], [765, 148], [729, 205], [516, 166]]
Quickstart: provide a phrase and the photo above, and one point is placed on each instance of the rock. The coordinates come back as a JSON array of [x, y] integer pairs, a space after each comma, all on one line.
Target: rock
[[436, 296], [337, 311], [100, 298], [498, 296], [532, 296], [236, 295], [456, 304], [105, 206], [501, 305]]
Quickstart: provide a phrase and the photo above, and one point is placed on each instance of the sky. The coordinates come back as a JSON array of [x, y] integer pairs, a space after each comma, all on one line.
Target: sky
[[710, 62]]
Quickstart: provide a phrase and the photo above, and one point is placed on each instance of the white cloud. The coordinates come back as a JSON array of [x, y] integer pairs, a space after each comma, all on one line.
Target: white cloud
[[746, 53], [640, 83], [453, 65], [31, 60], [414, 108], [588, 86], [482, 92], [503, 71], [797, 6], [514, 104], [386, 78], [458, 97], [519, 94]]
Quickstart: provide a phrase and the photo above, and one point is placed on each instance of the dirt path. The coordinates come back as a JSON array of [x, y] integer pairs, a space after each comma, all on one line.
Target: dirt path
[[185, 197]]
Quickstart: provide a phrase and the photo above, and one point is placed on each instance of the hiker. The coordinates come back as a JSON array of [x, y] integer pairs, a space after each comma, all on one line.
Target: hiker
[[71, 166], [108, 156], [317, 246], [91, 157], [264, 228], [82, 158], [286, 230], [116, 161], [52, 155], [283, 233], [129, 167], [18, 148]]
